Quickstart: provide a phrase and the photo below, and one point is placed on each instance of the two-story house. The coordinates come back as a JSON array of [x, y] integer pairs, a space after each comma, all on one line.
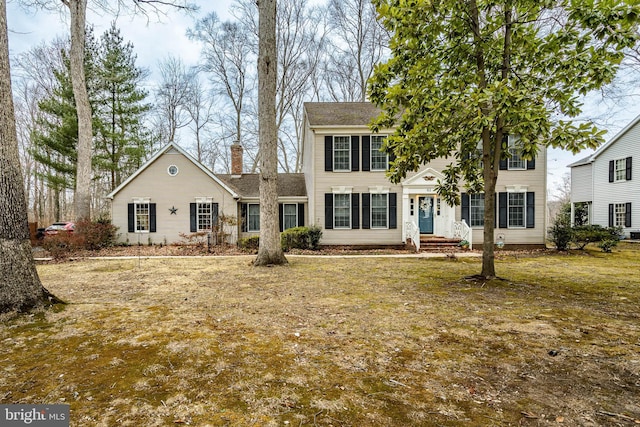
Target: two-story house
[[352, 199], [604, 190], [343, 189]]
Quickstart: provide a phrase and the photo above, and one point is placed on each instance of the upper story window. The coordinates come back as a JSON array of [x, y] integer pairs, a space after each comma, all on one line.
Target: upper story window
[[379, 159], [172, 170], [515, 162], [621, 170], [342, 153]]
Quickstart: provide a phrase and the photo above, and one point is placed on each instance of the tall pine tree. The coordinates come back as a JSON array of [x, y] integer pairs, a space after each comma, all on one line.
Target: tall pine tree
[[122, 140]]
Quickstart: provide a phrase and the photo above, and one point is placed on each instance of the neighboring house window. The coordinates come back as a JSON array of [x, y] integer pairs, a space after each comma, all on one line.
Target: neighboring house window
[[476, 210], [342, 153], [142, 217], [620, 214], [253, 217], [290, 215], [516, 209], [379, 211], [342, 211], [620, 170], [515, 162], [379, 159]]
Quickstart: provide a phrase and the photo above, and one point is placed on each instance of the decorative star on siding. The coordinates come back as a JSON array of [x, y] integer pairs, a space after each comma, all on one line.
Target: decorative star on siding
[[173, 210]]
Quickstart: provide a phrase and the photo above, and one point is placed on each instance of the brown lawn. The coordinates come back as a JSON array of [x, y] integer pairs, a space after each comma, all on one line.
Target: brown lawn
[[334, 342]]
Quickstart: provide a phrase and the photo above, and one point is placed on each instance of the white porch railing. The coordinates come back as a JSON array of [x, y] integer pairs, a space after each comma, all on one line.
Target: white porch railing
[[461, 230], [413, 233]]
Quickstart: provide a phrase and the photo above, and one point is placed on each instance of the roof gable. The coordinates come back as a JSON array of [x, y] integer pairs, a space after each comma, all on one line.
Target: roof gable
[[607, 144], [427, 176], [176, 149]]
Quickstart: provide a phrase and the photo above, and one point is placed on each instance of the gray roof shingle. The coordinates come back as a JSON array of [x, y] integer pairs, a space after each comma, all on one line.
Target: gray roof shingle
[[248, 184], [340, 113]]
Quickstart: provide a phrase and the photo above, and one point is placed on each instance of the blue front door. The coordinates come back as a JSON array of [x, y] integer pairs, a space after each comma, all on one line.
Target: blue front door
[[425, 215]]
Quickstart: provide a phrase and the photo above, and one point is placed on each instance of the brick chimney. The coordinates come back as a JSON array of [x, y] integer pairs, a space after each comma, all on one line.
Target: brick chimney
[[236, 160]]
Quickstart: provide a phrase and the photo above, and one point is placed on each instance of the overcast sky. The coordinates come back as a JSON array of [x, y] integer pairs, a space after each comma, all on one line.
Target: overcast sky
[[154, 41]]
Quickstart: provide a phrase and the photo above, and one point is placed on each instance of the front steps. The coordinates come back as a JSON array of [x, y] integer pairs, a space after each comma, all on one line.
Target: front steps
[[431, 243]]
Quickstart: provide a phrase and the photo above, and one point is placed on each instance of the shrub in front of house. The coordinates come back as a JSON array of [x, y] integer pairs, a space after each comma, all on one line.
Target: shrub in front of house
[[62, 245], [301, 238], [605, 237], [95, 235], [249, 244]]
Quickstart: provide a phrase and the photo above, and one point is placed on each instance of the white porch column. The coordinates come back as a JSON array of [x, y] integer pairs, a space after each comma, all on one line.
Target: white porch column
[[405, 214]]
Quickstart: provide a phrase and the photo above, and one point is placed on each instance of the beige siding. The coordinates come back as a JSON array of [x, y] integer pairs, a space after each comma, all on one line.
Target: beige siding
[[166, 192], [321, 182]]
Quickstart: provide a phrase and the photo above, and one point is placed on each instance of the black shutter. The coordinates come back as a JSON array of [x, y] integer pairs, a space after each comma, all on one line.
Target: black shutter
[[628, 171], [503, 164], [464, 213], [610, 214], [244, 217], [366, 153], [611, 170], [152, 217], [531, 164], [355, 153], [502, 210], [355, 211], [393, 210], [627, 215], [328, 153], [193, 220], [531, 209], [131, 218], [328, 211], [495, 210], [281, 216], [366, 211], [215, 215], [300, 214]]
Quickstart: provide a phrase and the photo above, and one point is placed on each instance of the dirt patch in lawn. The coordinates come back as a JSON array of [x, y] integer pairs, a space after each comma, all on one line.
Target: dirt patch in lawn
[[342, 342]]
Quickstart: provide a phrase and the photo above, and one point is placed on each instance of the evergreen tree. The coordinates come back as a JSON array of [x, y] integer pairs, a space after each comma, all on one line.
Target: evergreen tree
[[122, 141]]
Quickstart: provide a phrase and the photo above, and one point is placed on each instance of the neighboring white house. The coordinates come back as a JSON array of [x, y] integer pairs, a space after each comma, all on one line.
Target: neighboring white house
[[604, 185]]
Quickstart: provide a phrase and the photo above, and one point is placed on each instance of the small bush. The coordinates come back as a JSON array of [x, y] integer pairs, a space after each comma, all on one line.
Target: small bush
[[585, 234], [561, 235], [249, 244], [97, 234], [301, 238], [61, 245]]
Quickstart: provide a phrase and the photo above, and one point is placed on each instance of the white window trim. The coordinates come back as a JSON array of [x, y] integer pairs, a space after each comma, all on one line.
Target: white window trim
[[348, 169], [169, 170], [623, 170], [249, 229], [470, 216], [342, 227], [524, 212], [200, 201], [511, 144], [617, 212], [371, 150], [386, 227], [141, 201]]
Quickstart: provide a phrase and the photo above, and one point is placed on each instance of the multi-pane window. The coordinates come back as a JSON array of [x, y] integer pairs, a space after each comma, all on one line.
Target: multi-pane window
[[516, 209], [516, 162], [142, 217], [341, 153], [621, 169], [379, 159], [205, 216], [619, 215], [290, 214], [253, 217], [342, 211], [476, 210], [379, 211]]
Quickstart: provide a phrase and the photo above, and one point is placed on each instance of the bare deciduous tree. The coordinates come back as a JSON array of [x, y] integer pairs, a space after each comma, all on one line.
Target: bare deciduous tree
[[172, 96]]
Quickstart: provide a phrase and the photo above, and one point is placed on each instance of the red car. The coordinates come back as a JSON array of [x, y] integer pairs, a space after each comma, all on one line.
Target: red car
[[57, 227]]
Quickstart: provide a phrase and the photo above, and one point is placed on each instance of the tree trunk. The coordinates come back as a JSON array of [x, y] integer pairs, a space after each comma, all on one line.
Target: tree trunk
[[269, 252], [20, 287], [78, 11]]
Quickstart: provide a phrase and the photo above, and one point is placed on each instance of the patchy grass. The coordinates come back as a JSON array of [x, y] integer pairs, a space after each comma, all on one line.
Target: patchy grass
[[330, 341]]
